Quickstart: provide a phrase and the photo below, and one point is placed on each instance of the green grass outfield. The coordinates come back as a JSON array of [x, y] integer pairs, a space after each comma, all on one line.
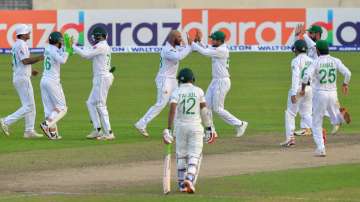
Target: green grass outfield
[[260, 83], [331, 183]]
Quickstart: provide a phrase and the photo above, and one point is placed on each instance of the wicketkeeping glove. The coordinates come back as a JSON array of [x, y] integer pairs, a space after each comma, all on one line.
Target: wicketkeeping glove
[[167, 136], [68, 44], [209, 135]]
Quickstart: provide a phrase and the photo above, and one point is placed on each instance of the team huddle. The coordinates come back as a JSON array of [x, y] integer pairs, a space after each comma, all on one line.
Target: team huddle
[[313, 90], [190, 121]]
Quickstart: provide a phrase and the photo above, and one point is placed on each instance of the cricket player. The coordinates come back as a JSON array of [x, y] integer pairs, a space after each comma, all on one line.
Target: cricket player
[[187, 113], [323, 73], [52, 94], [296, 103], [313, 35], [166, 83], [100, 54], [21, 62], [220, 84]]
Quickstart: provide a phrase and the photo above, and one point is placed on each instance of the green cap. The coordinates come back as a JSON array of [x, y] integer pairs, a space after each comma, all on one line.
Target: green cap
[[315, 29], [185, 75], [322, 46], [218, 35], [299, 45]]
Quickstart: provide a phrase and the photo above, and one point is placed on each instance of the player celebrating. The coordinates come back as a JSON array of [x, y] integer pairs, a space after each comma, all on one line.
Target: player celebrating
[[313, 35], [220, 84], [22, 62], [52, 94], [188, 104], [170, 56], [323, 74], [295, 103], [100, 54]]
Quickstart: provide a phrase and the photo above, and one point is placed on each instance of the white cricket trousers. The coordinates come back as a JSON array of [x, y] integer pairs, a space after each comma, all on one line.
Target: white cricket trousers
[[53, 99], [25, 91], [215, 99], [96, 102], [303, 106], [324, 101], [189, 144], [165, 86]]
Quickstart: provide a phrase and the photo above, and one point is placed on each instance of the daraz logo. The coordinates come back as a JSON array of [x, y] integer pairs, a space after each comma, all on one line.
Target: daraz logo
[[79, 28]]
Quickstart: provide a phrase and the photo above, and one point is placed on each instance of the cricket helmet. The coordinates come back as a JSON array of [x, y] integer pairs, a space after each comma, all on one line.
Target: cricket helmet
[[99, 32], [185, 75]]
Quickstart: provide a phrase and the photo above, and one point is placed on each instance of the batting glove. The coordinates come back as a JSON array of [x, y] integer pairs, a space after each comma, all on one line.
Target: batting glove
[[210, 135], [167, 136]]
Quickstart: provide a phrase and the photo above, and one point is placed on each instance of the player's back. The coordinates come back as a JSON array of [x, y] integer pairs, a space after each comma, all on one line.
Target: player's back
[[301, 62], [188, 98], [325, 72], [19, 52], [102, 61], [53, 58]]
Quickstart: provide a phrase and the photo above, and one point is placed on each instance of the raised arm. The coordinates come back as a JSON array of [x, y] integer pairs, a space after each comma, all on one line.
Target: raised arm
[[209, 52], [174, 55], [60, 58], [88, 54]]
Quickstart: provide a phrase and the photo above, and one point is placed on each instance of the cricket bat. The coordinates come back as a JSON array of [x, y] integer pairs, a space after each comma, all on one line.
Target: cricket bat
[[167, 170]]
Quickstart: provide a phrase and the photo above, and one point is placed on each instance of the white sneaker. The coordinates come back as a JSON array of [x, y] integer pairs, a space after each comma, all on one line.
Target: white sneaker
[[110, 136], [240, 130], [335, 129], [288, 143], [32, 134], [141, 130], [320, 152], [94, 134], [4, 127]]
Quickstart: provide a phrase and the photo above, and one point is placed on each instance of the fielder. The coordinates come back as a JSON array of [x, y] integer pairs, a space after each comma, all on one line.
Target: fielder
[[166, 83], [313, 35], [100, 54], [22, 62], [220, 84], [295, 103], [187, 112], [52, 94], [323, 74]]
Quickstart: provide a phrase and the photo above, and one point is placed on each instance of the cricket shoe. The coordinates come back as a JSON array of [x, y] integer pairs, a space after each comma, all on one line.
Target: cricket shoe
[[288, 143], [320, 153], [94, 134], [240, 130], [182, 187], [110, 136], [45, 128], [32, 134], [4, 127], [189, 186], [335, 129], [141, 130], [303, 132], [345, 114], [55, 136]]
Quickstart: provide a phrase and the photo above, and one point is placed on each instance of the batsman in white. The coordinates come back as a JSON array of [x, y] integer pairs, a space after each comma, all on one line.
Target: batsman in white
[[323, 72], [22, 62], [220, 84], [296, 103], [313, 35], [187, 113], [52, 93], [100, 54], [166, 83]]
